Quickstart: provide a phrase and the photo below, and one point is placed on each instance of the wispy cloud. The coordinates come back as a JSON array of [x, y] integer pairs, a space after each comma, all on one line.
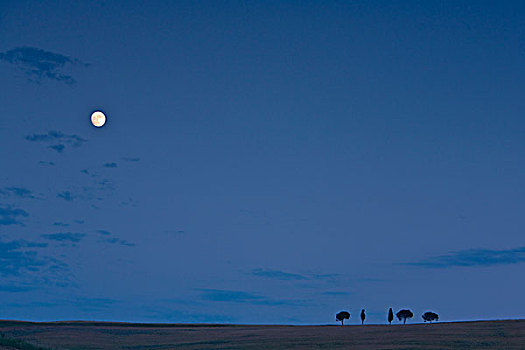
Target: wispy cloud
[[89, 173], [39, 64], [83, 303], [235, 296], [46, 163], [473, 257], [15, 258], [95, 190], [336, 293], [16, 288], [59, 140], [24, 267], [324, 276], [66, 195], [105, 185], [174, 232], [73, 237], [61, 224], [114, 240], [229, 295], [289, 276], [59, 148], [277, 274], [11, 216], [64, 224], [110, 165], [17, 191]]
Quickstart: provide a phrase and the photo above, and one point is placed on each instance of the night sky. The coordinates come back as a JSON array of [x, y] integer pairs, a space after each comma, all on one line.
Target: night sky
[[263, 161]]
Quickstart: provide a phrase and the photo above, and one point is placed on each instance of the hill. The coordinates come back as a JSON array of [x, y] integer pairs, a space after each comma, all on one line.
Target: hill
[[508, 334]]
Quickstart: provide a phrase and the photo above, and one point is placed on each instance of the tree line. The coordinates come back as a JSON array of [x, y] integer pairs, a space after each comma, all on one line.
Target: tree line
[[403, 314]]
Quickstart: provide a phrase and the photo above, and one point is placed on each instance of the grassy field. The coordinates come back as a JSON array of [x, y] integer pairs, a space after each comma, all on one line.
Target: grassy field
[[101, 335]]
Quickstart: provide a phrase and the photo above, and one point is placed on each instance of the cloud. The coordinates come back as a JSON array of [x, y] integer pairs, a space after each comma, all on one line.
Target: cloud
[[336, 293], [94, 190], [59, 148], [90, 304], [235, 296], [39, 64], [473, 257], [11, 216], [23, 267], [61, 224], [131, 159], [110, 165], [229, 295], [277, 274], [288, 276], [15, 289], [106, 185], [53, 136], [324, 276], [15, 259], [174, 232], [131, 202], [83, 303], [89, 173], [114, 240], [66, 195], [46, 163], [73, 237], [59, 139], [17, 191]]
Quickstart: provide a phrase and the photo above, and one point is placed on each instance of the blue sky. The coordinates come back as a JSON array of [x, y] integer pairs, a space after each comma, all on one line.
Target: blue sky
[[263, 162]]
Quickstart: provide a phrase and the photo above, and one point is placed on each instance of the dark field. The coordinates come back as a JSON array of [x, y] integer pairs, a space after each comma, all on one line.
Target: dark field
[[100, 335]]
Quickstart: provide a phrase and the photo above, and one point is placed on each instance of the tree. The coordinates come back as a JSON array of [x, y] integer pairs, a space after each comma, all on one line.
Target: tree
[[404, 314], [363, 316], [430, 316], [390, 316], [342, 316]]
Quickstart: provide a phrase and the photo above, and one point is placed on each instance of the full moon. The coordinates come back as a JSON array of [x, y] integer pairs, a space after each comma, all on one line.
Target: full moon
[[98, 119]]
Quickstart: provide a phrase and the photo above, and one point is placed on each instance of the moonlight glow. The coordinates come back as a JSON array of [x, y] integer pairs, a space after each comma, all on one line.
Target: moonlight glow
[[98, 119]]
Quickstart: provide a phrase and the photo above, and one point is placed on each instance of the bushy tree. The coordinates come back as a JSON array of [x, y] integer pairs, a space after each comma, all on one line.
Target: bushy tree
[[363, 316], [404, 314], [390, 316], [430, 316], [342, 316]]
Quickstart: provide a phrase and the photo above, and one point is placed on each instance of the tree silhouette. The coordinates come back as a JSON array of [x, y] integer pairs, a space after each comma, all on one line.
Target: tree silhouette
[[404, 314], [363, 316], [342, 316], [430, 316], [390, 316]]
